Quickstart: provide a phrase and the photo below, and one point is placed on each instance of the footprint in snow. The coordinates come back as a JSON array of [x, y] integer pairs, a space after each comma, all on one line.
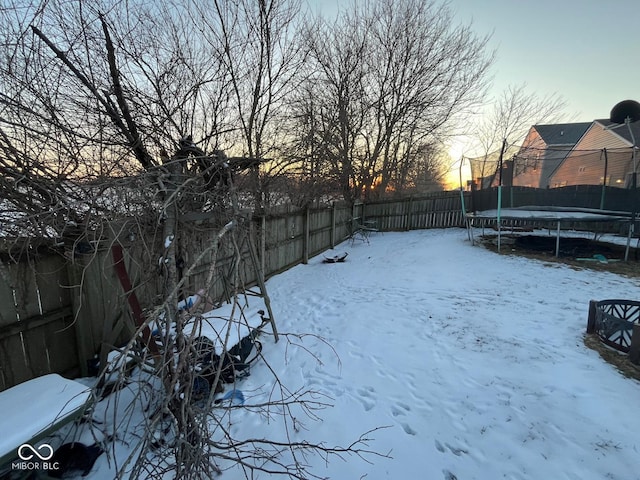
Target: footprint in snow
[[456, 451], [407, 429], [448, 475], [400, 408], [395, 411], [367, 398], [442, 448]]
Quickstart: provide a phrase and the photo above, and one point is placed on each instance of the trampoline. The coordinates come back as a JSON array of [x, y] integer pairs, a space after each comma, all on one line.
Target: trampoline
[[549, 216], [488, 172]]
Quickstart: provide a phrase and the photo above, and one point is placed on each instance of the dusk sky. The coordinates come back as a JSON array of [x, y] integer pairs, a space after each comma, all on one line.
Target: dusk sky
[[587, 51]]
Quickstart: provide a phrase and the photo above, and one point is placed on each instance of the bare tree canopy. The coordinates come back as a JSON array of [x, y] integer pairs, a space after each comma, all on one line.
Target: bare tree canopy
[[384, 80], [93, 90], [512, 114], [255, 42]]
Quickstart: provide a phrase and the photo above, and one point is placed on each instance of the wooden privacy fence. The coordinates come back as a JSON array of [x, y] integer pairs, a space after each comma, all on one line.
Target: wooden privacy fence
[[36, 316], [55, 313], [60, 308], [437, 210]]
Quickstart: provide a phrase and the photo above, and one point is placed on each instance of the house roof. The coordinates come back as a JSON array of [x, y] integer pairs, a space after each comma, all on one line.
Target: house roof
[[623, 131], [562, 133]]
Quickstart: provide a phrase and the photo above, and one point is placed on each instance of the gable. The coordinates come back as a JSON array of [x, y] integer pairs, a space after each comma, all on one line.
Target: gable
[[599, 135], [621, 131]]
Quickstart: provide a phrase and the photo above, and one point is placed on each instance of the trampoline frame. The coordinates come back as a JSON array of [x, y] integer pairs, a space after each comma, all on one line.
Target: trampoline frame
[[550, 215]]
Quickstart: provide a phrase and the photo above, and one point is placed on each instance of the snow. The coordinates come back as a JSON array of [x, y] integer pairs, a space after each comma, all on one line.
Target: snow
[[32, 407], [226, 325], [470, 365], [475, 360]]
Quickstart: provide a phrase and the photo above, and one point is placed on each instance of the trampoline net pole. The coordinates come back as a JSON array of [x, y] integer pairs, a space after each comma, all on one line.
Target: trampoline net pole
[[629, 234], [498, 216]]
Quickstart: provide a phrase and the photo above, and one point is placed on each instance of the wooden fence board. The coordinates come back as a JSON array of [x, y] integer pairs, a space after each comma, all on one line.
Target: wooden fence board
[[61, 345], [343, 222], [14, 368], [25, 290], [8, 311], [37, 354], [52, 281]]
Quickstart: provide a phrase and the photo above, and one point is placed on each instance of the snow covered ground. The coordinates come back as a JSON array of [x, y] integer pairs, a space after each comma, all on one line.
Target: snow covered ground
[[473, 361]]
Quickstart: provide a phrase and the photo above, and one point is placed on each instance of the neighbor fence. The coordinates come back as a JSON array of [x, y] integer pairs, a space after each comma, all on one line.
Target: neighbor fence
[[582, 196], [59, 307]]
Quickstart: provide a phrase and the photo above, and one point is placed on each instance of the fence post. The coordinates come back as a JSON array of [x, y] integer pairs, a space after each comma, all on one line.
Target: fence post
[[591, 319], [333, 224], [409, 212], [305, 237], [263, 242], [84, 338], [634, 348]]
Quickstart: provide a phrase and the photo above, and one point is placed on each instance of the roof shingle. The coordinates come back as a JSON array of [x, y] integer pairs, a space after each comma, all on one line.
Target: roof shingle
[[562, 133]]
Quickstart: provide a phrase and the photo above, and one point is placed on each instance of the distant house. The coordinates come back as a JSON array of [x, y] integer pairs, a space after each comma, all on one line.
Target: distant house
[[543, 151], [603, 155]]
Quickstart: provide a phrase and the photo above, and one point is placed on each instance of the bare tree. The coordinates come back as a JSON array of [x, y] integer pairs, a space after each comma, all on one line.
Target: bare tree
[[424, 172], [255, 42], [505, 125], [388, 78], [64, 115], [305, 139], [511, 116]]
